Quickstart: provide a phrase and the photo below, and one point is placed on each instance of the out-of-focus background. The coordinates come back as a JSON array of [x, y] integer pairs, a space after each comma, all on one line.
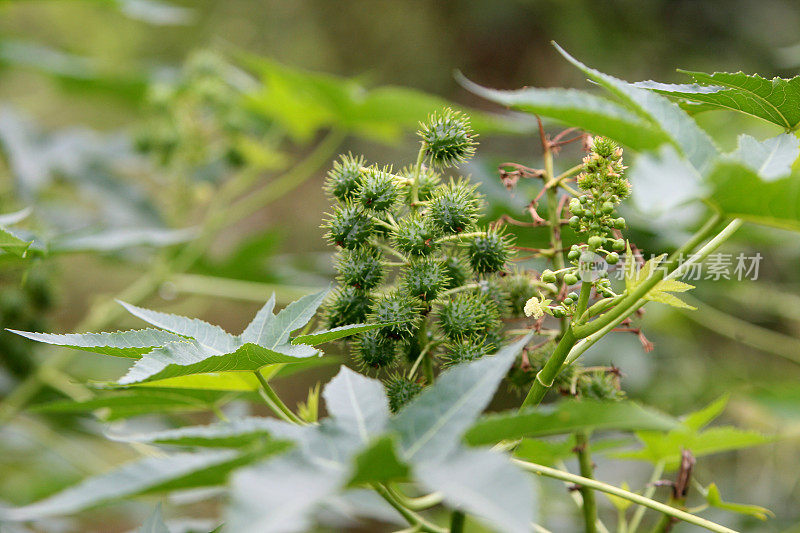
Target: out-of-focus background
[[82, 92]]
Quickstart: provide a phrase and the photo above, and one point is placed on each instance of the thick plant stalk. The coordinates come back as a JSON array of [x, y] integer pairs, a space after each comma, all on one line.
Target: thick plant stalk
[[589, 501]]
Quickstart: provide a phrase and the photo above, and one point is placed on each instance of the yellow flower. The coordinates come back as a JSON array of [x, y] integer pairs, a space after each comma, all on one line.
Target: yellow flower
[[535, 307]]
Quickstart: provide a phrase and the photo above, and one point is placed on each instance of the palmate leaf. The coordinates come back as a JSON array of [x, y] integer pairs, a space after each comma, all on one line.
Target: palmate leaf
[[189, 346], [578, 109], [568, 417], [265, 496], [10, 242], [776, 100], [714, 499], [234, 434], [485, 483], [635, 276], [431, 426], [130, 344], [682, 131], [145, 476], [660, 446], [770, 159]]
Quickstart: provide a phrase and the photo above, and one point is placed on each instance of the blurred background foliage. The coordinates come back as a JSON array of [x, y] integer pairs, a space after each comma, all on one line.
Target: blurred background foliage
[[122, 123]]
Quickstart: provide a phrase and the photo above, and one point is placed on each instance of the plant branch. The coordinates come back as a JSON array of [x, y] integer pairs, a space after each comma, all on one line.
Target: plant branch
[[586, 468], [275, 403], [622, 493]]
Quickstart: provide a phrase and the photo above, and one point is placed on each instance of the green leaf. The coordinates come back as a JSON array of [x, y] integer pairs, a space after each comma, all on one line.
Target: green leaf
[[740, 192], [567, 417], [770, 159], [701, 418], [293, 317], [13, 244], [714, 499], [148, 475], [130, 344], [212, 337], [659, 112], [126, 404], [185, 358], [357, 403], [776, 100], [431, 426], [154, 523], [635, 276], [484, 483], [233, 434], [330, 335], [664, 180], [378, 463], [578, 109], [115, 239]]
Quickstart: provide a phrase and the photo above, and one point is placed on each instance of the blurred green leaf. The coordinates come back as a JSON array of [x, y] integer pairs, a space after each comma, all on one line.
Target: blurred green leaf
[[578, 109], [714, 499], [378, 463], [567, 417], [486, 484], [154, 523], [233, 434], [770, 159], [431, 425]]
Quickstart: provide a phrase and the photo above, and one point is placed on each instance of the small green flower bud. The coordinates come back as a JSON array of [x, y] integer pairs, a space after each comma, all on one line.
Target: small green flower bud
[[568, 301], [595, 242], [584, 199], [570, 279], [619, 223], [548, 276], [573, 295], [618, 245], [612, 258], [573, 255], [574, 222], [447, 138], [608, 208]]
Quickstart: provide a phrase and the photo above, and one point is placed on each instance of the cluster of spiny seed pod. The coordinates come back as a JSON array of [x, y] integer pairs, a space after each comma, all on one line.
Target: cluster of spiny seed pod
[[593, 216], [413, 256]]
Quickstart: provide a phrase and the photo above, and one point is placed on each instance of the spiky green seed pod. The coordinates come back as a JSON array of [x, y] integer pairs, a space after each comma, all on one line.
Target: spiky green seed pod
[[520, 289], [400, 390], [454, 207], [360, 268], [447, 138], [600, 386], [348, 227], [346, 305], [343, 179], [400, 308], [463, 351], [377, 189], [424, 278], [495, 294], [415, 235], [489, 252], [373, 350], [428, 180], [467, 314], [457, 271]]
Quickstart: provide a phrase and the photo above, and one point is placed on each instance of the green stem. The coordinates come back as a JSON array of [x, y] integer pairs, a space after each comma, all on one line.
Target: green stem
[[636, 519], [622, 493], [275, 403], [587, 470], [413, 518], [583, 299], [415, 177], [546, 376], [458, 236], [416, 504], [457, 520]]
